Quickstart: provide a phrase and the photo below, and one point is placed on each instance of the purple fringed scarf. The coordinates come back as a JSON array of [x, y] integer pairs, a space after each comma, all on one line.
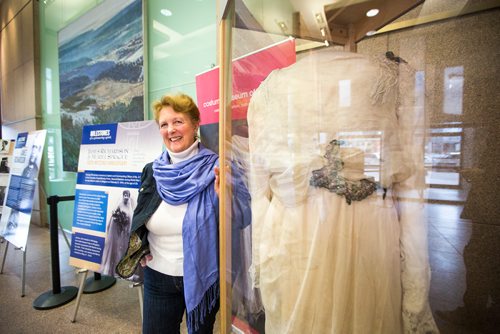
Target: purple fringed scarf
[[192, 181]]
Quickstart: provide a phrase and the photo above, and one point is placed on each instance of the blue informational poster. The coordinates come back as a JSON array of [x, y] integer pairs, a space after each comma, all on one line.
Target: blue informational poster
[[20, 191], [6, 151], [111, 160]]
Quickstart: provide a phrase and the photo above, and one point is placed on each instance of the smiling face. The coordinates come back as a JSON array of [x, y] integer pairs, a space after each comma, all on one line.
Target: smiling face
[[177, 129]]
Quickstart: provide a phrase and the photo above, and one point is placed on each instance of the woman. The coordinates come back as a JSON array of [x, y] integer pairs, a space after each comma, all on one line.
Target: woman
[[177, 217], [117, 231]]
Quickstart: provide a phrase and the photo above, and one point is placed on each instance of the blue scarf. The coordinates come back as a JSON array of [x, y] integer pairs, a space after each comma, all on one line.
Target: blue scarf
[[192, 181]]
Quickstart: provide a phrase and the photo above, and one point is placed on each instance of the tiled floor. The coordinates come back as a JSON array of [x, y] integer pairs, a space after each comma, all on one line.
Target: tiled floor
[[116, 310], [457, 269]]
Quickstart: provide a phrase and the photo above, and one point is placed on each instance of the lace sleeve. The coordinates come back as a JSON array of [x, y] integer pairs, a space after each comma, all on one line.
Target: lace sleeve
[[415, 275], [258, 178]]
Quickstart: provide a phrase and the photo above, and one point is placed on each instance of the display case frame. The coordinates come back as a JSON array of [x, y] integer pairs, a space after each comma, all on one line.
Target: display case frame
[[413, 16]]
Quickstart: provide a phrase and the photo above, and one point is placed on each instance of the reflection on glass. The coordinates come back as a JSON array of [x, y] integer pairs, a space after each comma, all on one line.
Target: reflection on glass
[[51, 157], [453, 90], [443, 156], [48, 89], [419, 89], [447, 130], [370, 143], [445, 151], [442, 178], [344, 93]]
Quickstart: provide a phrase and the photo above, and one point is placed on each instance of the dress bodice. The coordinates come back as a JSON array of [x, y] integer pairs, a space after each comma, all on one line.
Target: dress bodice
[[297, 111]]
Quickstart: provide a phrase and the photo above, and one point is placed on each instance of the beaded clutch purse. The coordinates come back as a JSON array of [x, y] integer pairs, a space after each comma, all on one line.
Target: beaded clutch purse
[[129, 262]]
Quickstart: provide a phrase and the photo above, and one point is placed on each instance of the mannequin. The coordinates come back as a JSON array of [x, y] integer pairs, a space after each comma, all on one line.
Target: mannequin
[[326, 229]]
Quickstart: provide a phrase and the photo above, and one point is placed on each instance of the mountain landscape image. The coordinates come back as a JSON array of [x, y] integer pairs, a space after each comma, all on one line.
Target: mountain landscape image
[[101, 72]]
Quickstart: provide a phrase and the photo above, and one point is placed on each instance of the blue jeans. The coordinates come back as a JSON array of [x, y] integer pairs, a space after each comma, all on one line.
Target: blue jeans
[[164, 305]]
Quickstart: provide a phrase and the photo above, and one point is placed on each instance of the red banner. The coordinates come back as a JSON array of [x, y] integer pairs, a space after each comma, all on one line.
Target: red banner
[[248, 72]]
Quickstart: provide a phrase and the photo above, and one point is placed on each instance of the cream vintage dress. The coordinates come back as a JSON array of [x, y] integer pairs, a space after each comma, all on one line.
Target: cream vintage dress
[[327, 260]]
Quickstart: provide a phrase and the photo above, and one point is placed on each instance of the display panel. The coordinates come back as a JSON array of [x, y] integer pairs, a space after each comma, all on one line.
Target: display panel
[[21, 186], [111, 159], [6, 151], [366, 162]]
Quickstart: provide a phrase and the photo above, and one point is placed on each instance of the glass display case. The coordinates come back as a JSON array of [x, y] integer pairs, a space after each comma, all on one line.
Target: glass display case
[[360, 178]]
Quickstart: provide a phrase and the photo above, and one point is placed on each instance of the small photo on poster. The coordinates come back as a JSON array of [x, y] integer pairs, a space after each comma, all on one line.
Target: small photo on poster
[[117, 228], [30, 170], [5, 146], [16, 227], [4, 165], [2, 194]]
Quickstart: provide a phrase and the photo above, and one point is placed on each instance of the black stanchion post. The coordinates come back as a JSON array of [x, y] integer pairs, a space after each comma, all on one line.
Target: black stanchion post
[[58, 296], [98, 283], [54, 245]]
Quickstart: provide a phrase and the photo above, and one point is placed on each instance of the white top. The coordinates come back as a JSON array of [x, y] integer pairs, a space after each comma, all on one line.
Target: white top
[[165, 229]]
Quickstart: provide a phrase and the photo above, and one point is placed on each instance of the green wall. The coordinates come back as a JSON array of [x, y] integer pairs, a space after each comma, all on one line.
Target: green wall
[[177, 47]]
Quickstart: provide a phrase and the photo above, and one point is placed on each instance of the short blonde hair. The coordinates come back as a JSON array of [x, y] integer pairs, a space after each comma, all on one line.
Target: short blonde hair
[[181, 103]]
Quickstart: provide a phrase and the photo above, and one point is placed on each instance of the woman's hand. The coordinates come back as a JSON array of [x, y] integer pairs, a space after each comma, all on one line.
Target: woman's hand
[[144, 260], [217, 180]]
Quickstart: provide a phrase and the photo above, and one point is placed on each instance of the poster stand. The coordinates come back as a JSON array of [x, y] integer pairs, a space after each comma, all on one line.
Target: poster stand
[[81, 289], [97, 283], [140, 290], [24, 265], [4, 254], [87, 285], [58, 296]]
